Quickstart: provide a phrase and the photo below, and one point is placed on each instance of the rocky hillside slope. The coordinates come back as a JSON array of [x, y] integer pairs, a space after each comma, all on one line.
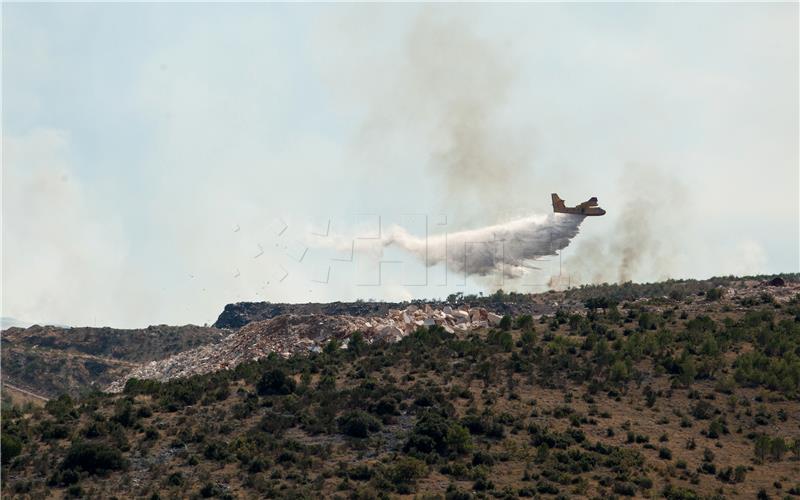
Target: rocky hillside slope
[[292, 334], [241, 313]]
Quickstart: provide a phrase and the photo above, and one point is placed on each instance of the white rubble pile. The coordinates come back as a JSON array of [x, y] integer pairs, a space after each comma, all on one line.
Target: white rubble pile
[[290, 334]]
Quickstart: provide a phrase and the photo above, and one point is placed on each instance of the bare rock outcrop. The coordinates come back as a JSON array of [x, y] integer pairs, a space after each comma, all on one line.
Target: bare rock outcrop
[[290, 334]]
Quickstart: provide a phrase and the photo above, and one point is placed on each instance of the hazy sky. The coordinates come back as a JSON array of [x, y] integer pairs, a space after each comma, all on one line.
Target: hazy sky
[[160, 161]]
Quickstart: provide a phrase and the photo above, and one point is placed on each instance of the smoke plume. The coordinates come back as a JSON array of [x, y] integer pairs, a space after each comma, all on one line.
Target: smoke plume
[[509, 248], [645, 241], [442, 100]]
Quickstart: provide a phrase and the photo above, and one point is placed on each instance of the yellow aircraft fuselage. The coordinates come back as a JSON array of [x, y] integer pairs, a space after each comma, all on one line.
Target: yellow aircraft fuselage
[[587, 208]]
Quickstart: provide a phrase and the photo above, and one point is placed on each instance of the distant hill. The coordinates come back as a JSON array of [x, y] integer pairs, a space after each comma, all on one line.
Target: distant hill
[[49, 360]]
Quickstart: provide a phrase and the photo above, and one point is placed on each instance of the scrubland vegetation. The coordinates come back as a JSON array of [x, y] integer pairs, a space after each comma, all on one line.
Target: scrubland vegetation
[[680, 396]]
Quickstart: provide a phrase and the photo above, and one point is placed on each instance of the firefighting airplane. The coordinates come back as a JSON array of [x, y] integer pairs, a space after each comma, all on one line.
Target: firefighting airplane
[[588, 207]]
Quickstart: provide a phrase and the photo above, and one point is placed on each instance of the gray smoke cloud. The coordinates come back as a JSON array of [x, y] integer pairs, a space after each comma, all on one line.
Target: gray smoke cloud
[[646, 237], [476, 157], [509, 248], [449, 98]]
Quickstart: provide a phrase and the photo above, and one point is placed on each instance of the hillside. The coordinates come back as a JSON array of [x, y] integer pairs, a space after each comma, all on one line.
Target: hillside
[[683, 395], [49, 360]]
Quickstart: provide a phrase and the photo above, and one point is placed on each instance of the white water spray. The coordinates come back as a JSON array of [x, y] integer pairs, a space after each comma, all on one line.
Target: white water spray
[[509, 248]]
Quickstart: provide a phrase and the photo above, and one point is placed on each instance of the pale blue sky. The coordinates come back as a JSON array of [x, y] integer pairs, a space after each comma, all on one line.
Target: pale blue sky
[[136, 137]]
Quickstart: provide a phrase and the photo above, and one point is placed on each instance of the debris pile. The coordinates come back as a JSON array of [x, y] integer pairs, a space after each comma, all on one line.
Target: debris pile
[[239, 314], [290, 334]]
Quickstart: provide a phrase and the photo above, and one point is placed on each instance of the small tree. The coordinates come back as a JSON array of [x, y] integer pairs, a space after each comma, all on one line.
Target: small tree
[[777, 448], [525, 322], [688, 370], [357, 343], [762, 447]]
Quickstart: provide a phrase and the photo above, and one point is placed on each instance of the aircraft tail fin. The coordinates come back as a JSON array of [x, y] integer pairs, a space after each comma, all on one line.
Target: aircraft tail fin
[[557, 202]]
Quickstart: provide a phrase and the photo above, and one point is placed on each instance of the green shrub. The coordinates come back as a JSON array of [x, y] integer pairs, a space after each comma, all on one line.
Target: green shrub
[[94, 458], [458, 439], [482, 458], [75, 491], [547, 488], [179, 393], [676, 493], [216, 450], [358, 424], [10, 447], [210, 490], [703, 410], [61, 408], [624, 488], [766, 446], [360, 472], [275, 382], [525, 322], [435, 432], [123, 413], [356, 344], [405, 472], [49, 429], [175, 479], [136, 386]]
